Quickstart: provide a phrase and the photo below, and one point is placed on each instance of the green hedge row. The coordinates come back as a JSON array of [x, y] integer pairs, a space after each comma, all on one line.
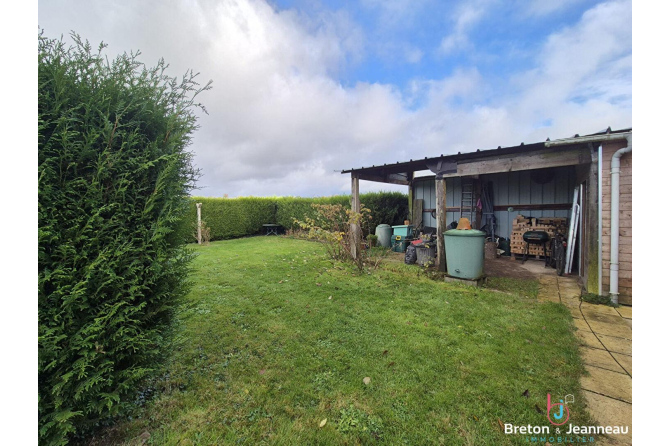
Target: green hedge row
[[233, 217], [386, 207], [238, 217], [289, 208]]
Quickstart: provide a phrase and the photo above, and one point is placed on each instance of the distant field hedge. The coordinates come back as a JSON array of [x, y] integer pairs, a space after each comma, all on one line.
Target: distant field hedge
[[238, 217]]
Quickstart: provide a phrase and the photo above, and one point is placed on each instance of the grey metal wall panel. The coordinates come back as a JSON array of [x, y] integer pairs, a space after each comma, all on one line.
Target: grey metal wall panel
[[535, 192], [564, 183], [454, 187], [425, 189], [452, 216], [453, 192], [510, 189], [501, 187], [549, 195], [513, 188], [524, 187], [520, 189]]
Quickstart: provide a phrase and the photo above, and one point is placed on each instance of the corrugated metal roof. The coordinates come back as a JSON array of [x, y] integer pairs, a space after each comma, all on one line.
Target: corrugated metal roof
[[420, 164]]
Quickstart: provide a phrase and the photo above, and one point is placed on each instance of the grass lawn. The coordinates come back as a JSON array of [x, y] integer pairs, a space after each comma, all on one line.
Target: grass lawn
[[521, 287], [275, 337]]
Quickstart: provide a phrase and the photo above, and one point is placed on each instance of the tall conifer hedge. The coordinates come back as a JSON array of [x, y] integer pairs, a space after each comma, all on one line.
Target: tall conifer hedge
[[114, 176], [238, 217]]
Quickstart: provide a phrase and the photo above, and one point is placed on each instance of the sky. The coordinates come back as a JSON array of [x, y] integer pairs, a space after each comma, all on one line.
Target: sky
[[304, 89]]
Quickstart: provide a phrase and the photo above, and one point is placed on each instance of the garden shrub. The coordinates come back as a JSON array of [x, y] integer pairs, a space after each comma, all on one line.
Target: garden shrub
[[290, 209], [333, 227], [113, 179]]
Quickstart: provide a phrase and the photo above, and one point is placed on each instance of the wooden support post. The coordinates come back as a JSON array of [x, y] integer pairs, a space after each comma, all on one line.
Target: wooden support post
[[591, 271], [199, 207], [410, 195], [441, 214], [477, 195], [355, 228]]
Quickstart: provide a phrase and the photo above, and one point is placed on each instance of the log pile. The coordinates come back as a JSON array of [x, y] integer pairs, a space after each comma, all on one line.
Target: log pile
[[521, 224]]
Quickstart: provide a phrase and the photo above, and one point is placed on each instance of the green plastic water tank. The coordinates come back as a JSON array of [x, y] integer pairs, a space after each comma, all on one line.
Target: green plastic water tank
[[383, 233], [464, 249], [403, 230]]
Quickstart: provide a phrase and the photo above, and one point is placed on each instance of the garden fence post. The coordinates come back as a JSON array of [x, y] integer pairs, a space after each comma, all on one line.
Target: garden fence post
[[199, 207], [355, 227]]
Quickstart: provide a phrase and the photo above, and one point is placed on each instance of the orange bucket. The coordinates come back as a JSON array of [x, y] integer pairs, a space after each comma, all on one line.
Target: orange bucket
[[464, 223]]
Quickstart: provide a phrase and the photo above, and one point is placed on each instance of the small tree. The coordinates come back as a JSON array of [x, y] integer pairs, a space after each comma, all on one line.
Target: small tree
[[332, 226], [114, 177]]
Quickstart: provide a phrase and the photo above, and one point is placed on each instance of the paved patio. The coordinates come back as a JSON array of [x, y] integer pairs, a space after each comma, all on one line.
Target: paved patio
[[605, 335]]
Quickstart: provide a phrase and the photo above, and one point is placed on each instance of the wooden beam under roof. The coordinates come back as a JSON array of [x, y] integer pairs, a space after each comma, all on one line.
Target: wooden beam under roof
[[528, 157], [523, 161], [389, 178]]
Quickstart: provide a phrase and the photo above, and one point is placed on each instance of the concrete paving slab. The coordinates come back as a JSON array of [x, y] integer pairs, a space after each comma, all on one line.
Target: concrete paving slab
[[548, 297], [602, 309], [626, 312], [608, 383], [600, 358], [616, 345], [588, 339], [570, 303], [581, 324], [548, 283], [610, 412], [618, 329], [569, 285], [570, 293], [625, 361], [596, 315], [576, 314]]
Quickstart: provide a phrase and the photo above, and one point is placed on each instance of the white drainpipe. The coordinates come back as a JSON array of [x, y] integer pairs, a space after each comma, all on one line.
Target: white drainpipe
[[614, 234], [600, 138]]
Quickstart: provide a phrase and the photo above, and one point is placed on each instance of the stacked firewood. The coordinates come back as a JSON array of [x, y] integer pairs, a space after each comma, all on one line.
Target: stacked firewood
[[522, 224]]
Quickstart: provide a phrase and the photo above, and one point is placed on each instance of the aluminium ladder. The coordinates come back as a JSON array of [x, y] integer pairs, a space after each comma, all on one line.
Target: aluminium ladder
[[468, 204]]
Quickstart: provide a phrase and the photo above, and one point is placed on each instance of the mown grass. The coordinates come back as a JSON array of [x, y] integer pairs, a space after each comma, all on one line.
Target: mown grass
[[275, 338], [522, 287]]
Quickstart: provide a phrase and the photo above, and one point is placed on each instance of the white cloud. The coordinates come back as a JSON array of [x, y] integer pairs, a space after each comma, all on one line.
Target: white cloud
[[583, 75], [394, 13], [545, 7], [280, 122], [413, 54], [467, 15]]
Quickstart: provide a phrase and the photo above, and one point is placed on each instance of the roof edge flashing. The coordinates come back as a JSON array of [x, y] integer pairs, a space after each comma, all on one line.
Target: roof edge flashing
[[588, 139]]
